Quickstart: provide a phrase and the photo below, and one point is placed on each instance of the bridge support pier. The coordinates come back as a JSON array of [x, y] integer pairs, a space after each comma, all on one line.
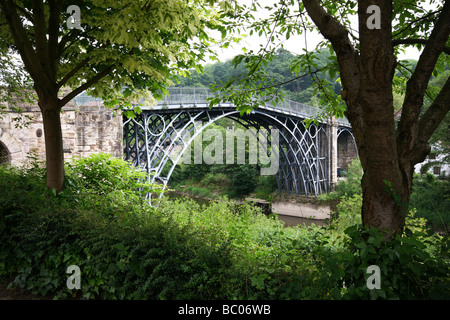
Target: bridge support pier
[[332, 127]]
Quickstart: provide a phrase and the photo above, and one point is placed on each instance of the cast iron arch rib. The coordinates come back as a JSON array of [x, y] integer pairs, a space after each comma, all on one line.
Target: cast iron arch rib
[[156, 139]]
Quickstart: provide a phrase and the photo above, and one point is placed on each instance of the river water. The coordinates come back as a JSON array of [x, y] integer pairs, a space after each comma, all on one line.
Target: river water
[[289, 220]]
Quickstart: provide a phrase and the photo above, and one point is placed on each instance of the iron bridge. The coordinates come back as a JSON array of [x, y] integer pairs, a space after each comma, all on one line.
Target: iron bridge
[[156, 139]]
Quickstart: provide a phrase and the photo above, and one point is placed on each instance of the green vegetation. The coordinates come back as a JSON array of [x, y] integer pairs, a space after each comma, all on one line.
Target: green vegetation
[[181, 250], [350, 186], [431, 199], [213, 180], [282, 69]]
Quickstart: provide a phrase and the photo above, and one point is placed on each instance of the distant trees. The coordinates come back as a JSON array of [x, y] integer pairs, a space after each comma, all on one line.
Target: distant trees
[[279, 69]]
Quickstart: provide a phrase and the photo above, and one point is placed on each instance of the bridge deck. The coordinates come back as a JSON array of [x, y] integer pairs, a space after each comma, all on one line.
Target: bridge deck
[[196, 98]]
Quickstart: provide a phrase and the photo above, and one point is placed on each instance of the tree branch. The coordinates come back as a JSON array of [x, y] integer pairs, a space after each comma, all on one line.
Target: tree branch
[[77, 68], [72, 72], [24, 12], [85, 86], [24, 45], [53, 34], [418, 83], [40, 36], [348, 59], [431, 119], [279, 84], [431, 14], [347, 56], [397, 42], [72, 34]]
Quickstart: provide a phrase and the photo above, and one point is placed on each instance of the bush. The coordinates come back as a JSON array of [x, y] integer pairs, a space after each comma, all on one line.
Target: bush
[[245, 179], [350, 185], [266, 186], [348, 213], [124, 252], [102, 173], [409, 270], [431, 199], [181, 250]]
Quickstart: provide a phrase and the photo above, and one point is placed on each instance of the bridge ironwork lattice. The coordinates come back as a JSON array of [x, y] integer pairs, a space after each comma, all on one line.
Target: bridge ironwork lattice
[[156, 139]]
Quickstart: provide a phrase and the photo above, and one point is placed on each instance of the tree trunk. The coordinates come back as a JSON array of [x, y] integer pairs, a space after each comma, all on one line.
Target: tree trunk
[[53, 142], [387, 156], [383, 207]]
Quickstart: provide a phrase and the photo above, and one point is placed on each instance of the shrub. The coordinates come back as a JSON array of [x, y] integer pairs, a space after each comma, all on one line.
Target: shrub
[[348, 213], [431, 199], [408, 269], [350, 185], [181, 250], [129, 256], [102, 173], [266, 186], [245, 179]]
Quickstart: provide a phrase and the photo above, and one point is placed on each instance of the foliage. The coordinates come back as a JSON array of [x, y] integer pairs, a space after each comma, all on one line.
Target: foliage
[[266, 186], [125, 250], [408, 269], [15, 90], [245, 179], [102, 174], [431, 199], [282, 68], [349, 186], [348, 213], [159, 47], [181, 250], [440, 140]]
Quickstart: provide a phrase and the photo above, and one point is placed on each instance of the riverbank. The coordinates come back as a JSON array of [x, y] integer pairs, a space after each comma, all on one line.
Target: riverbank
[[291, 210]]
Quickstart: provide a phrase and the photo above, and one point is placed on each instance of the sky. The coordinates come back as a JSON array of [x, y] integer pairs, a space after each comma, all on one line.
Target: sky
[[295, 44]]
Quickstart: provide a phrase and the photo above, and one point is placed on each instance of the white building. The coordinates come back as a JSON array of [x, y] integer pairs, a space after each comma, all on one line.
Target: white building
[[435, 162]]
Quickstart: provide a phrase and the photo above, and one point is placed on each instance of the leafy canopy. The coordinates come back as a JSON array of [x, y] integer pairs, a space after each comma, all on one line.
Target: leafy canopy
[[122, 50], [281, 20]]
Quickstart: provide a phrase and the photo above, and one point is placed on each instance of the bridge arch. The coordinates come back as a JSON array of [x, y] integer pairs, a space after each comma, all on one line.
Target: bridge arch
[[156, 141], [347, 149], [5, 156], [10, 149]]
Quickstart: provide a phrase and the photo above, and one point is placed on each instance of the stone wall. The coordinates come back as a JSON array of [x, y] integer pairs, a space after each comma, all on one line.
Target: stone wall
[[86, 130], [346, 150]]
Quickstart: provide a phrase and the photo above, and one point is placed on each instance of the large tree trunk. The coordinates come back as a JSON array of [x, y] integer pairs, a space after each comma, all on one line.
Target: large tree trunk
[[54, 153], [367, 90], [382, 206]]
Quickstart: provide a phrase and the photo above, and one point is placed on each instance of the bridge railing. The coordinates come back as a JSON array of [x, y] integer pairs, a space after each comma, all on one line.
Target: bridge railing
[[197, 97], [183, 95], [193, 96], [295, 107], [83, 99]]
